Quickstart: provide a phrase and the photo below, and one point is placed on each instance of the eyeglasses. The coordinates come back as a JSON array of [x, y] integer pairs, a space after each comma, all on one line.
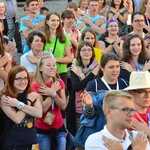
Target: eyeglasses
[[84, 50], [142, 92], [137, 21], [126, 110], [19, 79]]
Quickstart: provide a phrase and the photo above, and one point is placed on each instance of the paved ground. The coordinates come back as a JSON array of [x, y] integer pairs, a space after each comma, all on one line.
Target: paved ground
[[53, 5]]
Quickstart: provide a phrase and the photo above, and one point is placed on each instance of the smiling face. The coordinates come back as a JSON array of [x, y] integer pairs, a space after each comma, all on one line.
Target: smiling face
[[86, 52], [68, 22], [41, 3], [89, 37], [20, 82], [113, 28], [37, 44], [2, 8], [111, 70], [135, 47], [84, 3], [33, 7], [117, 2], [53, 22], [48, 68]]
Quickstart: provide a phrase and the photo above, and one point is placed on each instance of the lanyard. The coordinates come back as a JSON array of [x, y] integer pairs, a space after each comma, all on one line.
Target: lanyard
[[52, 105], [148, 115], [147, 20], [136, 68], [117, 88]]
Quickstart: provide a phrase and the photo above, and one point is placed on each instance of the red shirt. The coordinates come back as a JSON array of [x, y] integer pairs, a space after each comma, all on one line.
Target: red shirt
[[58, 121]]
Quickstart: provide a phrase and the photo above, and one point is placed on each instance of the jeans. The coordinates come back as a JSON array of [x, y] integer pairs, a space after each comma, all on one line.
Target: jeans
[[45, 141], [137, 4]]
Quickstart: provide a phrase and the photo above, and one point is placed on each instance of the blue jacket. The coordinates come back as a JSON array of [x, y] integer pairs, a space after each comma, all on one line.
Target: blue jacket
[[91, 125]]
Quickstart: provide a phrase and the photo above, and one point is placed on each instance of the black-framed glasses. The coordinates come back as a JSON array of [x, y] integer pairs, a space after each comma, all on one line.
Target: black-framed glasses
[[126, 110], [20, 79], [138, 21], [142, 92]]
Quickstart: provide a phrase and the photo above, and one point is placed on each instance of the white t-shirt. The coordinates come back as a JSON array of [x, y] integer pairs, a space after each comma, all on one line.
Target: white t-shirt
[[95, 142], [27, 64]]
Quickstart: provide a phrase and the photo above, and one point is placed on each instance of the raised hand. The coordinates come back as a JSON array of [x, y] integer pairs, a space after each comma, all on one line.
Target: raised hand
[[86, 99]]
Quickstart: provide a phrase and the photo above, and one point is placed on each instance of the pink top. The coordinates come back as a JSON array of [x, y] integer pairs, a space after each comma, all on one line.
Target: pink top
[[58, 121]]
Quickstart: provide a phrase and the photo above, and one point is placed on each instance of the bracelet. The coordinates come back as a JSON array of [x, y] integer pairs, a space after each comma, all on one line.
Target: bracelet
[[113, 42], [29, 100], [129, 3], [20, 105], [54, 95]]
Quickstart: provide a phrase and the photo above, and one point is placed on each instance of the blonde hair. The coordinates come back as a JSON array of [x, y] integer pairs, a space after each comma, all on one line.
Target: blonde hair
[[142, 7], [4, 6], [113, 96], [38, 74]]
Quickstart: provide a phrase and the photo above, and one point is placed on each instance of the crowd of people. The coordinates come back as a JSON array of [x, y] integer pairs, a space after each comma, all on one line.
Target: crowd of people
[[83, 81]]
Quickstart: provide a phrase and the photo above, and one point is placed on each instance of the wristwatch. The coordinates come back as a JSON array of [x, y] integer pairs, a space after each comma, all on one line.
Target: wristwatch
[[20, 105], [54, 95]]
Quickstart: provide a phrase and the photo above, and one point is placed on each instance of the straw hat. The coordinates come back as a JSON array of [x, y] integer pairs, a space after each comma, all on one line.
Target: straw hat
[[139, 80]]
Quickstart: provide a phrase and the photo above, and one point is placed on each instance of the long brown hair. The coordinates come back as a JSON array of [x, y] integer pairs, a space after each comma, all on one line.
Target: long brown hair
[[9, 88], [2, 52], [127, 57], [59, 31]]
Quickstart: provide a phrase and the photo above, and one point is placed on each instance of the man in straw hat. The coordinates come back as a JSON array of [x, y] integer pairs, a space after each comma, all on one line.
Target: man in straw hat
[[118, 108], [139, 88]]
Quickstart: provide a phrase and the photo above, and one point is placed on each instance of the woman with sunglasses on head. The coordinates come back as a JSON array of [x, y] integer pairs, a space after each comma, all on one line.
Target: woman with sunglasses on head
[[83, 69], [20, 105], [52, 90]]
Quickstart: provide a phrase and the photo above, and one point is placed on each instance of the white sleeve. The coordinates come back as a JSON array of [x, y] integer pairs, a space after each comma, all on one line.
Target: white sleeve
[[95, 142], [26, 63]]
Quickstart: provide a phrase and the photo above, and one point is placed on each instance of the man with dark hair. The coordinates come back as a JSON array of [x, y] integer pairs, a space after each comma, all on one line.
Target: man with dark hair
[[30, 23]]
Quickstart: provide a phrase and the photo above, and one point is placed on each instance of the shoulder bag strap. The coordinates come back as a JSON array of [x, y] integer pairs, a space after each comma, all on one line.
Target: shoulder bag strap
[[55, 46]]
